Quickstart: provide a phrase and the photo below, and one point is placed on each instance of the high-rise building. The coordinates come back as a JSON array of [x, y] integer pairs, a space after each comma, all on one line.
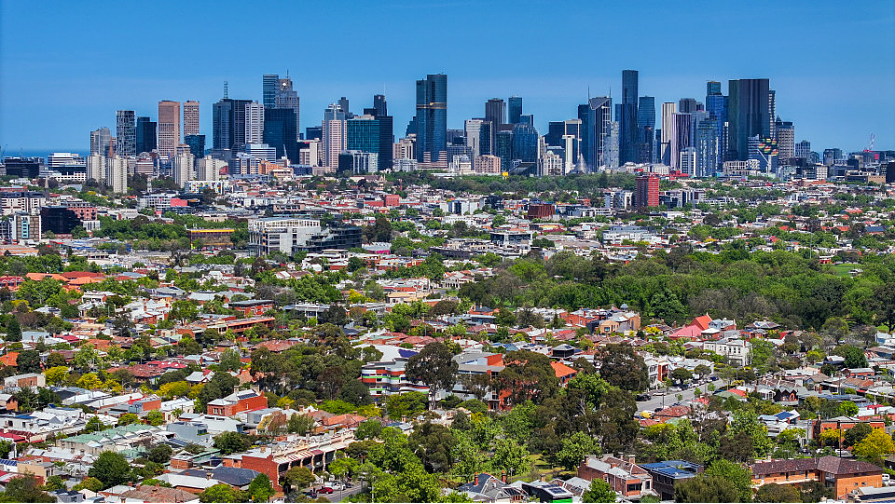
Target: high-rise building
[[182, 166], [831, 156], [646, 191], [716, 106], [687, 105], [116, 174], [168, 127], [525, 140], [646, 129], [514, 109], [687, 162], [286, 97], [706, 149], [803, 150], [254, 129], [196, 144], [279, 132], [473, 132], [190, 118], [146, 135], [343, 102], [209, 168], [786, 140], [596, 125], [100, 139], [386, 131], [748, 112], [229, 124], [270, 82], [496, 112], [430, 122], [669, 109], [96, 167], [125, 133], [380, 105], [504, 149], [772, 112], [626, 116], [683, 135], [334, 139]]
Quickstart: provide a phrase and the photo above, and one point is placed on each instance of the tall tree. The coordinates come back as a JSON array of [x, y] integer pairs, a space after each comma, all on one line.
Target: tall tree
[[434, 366], [622, 367]]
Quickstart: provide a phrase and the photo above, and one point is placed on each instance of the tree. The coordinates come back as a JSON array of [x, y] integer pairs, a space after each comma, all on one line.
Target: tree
[[706, 489], [883, 303], [13, 330], [575, 448], [334, 315], [856, 434], [300, 424], [298, 478], [25, 489], [92, 484], [773, 492], [527, 376], [110, 468], [155, 418], [260, 489], [875, 447], [368, 429], [433, 444], [28, 361], [355, 393], [623, 368], [221, 493], [183, 311], [56, 375], [739, 476], [160, 453], [55, 359], [408, 404], [434, 366], [128, 418], [599, 491], [232, 442], [681, 375]]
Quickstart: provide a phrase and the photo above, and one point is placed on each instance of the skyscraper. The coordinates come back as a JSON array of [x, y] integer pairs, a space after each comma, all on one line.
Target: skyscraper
[[707, 148], [786, 140], [168, 127], [514, 109], [716, 106], [687, 105], [334, 138], [116, 174], [431, 119], [254, 123], [343, 102], [647, 191], [596, 125], [286, 97], [626, 115], [196, 144], [380, 105], [229, 124], [646, 126], [190, 118], [386, 130], [182, 166], [668, 111], [525, 140], [100, 140], [279, 132], [473, 131], [748, 112], [146, 135], [496, 112], [125, 133], [270, 83]]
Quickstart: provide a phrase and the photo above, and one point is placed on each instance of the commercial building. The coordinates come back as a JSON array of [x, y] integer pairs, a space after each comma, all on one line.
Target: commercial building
[[280, 132], [596, 123], [168, 127], [748, 112], [229, 128], [125, 133], [190, 118], [430, 122], [100, 140], [287, 98], [334, 139], [514, 109], [254, 123], [146, 135], [116, 174], [646, 193], [626, 116]]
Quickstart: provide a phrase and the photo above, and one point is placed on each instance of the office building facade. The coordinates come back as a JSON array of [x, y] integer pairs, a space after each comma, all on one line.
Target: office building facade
[[190, 118], [100, 140], [514, 109], [168, 128], [126, 133], [748, 111], [146, 135], [431, 119]]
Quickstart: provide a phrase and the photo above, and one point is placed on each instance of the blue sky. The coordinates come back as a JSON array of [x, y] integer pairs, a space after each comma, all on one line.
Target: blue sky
[[65, 67]]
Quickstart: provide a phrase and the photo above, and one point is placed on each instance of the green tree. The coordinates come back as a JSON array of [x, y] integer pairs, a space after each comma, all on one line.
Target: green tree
[[260, 489], [110, 468], [13, 330], [128, 418], [434, 366], [433, 444], [575, 448], [155, 418], [706, 489], [623, 368], [298, 478], [875, 447], [221, 493], [527, 376], [681, 375], [368, 429], [25, 489], [232, 442], [28, 361], [160, 453], [856, 434], [406, 405], [599, 491], [773, 492], [736, 474]]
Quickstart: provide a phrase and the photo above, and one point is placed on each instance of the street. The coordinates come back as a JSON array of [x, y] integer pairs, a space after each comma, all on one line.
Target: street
[[669, 399]]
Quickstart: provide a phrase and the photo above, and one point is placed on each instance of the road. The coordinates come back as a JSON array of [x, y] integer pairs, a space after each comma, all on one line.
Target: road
[[339, 495], [669, 399]]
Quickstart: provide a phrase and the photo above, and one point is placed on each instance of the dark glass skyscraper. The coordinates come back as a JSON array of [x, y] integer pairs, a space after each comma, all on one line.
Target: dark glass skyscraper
[[596, 123], [496, 112], [269, 91], [279, 132], [748, 114], [197, 145], [380, 105], [525, 140], [430, 121], [229, 126], [646, 126], [716, 106], [146, 135], [386, 130], [626, 115], [125, 133], [514, 109]]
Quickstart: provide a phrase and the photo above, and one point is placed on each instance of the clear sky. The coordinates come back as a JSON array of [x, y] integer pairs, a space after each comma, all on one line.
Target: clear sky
[[66, 66]]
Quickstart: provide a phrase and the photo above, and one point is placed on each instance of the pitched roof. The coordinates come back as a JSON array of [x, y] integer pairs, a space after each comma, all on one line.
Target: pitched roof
[[829, 464]]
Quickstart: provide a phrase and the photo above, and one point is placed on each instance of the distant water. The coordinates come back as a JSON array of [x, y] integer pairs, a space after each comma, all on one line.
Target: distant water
[[40, 153]]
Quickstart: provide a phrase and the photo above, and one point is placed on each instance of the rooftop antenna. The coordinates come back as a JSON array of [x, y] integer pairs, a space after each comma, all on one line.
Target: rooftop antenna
[[226, 90]]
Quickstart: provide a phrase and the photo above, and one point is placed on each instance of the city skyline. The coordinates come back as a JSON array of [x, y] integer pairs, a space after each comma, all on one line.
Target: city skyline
[[87, 89]]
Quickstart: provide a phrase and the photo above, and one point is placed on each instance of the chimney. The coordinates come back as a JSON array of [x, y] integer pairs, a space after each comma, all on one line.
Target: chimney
[[631, 459], [503, 476], [476, 480], [208, 476]]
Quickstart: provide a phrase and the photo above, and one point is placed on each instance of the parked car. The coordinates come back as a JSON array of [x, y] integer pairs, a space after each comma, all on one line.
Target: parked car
[[643, 397], [325, 490]]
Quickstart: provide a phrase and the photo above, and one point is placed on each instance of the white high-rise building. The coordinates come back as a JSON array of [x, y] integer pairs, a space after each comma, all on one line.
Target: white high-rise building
[[96, 167], [254, 123], [334, 135], [310, 156], [474, 136], [668, 132], [552, 165], [183, 168], [209, 169], [116, 174], [687, 161]]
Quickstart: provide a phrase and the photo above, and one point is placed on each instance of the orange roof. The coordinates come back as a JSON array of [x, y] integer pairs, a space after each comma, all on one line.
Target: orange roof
[[41, 276], [82, 274], [562, 370], [703, 322], [9, 359]]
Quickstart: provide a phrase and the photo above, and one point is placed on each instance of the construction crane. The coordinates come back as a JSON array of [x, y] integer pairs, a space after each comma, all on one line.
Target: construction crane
[[872, 140]]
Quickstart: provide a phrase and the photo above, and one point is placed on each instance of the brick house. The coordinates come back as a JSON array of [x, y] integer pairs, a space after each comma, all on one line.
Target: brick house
[[237, 402], [624, 476], [252, 307], [842, 475]]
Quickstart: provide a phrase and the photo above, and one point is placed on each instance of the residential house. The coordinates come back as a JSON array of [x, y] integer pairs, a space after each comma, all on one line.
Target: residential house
[[842, 475], [668, 473], [629, 480]]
